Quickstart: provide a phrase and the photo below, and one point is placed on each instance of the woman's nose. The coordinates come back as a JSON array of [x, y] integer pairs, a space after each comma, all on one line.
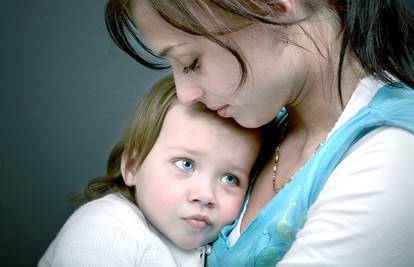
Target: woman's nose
[[187, 91]]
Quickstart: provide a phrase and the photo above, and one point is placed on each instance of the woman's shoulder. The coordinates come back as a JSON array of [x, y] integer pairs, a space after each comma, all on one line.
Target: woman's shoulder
[[363, 204]]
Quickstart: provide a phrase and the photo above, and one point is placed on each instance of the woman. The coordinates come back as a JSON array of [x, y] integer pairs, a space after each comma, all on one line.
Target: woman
[[337, 188]]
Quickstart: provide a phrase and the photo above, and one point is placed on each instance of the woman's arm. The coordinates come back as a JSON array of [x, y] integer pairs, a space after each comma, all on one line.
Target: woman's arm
[[363, 217]]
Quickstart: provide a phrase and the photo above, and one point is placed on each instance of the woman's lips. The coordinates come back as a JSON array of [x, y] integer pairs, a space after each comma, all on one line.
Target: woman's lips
[[222, 111]]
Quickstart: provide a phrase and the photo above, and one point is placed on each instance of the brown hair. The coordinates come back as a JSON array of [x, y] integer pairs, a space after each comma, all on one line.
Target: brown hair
[[138, 137], [369, 29]]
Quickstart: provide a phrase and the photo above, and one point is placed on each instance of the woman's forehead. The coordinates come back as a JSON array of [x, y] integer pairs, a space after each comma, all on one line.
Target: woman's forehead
[[211, 19], [159, 35]]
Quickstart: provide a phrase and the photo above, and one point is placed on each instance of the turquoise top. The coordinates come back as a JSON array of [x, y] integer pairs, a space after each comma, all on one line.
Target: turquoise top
[[269, 236]]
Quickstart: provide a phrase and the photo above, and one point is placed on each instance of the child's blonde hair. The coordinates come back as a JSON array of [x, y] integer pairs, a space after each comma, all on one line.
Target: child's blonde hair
[[138, 138], [142, 132]]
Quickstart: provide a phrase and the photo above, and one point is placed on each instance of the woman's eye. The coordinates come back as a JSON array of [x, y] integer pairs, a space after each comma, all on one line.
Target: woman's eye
[[194, 66], [230, 180], [184, 164]]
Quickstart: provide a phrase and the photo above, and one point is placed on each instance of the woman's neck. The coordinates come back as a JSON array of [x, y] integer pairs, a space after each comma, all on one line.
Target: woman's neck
[[318, 104]]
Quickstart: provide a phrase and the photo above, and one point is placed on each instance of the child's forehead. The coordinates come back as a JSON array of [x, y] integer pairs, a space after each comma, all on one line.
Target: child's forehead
[[198, 117], [205, 132], [192, 114], [197, 112]]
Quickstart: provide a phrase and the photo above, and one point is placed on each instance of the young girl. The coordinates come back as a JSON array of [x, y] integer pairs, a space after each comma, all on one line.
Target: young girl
[[338, 189], [177, 175]]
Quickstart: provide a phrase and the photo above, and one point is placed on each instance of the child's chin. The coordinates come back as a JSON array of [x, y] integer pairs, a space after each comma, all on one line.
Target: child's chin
[[187, 245]]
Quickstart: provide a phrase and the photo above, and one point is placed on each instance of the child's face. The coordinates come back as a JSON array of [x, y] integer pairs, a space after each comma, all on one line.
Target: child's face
[[193, 181]]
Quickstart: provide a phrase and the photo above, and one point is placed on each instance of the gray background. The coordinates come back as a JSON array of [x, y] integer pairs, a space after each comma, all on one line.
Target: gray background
[[66, 93]]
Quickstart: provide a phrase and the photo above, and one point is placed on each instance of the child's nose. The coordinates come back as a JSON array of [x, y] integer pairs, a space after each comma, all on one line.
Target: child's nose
[[203, 193]]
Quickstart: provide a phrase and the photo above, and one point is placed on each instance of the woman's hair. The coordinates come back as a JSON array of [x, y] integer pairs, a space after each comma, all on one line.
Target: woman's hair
[[379, 33], [136, 140]]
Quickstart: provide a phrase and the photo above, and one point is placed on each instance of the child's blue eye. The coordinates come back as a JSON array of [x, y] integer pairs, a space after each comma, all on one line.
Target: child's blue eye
[[184, 164], [230, 180]]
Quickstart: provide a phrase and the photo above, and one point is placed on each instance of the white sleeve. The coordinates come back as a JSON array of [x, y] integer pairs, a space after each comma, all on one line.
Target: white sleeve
[[362, 216], [94, 236]]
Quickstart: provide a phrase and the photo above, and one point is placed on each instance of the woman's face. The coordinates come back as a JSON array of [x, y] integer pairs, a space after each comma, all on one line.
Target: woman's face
[[206, 72]]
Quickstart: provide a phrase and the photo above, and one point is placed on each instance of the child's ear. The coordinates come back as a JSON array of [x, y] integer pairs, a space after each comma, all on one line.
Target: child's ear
[[129, 167]]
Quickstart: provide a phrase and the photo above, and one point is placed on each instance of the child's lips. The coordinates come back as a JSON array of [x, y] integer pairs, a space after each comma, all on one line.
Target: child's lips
[[197, 221]]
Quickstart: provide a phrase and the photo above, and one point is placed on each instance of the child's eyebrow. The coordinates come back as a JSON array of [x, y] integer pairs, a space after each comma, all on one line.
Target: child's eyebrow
[[186, 150], [239, 169]]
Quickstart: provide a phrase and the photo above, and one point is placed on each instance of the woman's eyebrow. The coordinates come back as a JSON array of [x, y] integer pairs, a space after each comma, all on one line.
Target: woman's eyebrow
[[165, 51]]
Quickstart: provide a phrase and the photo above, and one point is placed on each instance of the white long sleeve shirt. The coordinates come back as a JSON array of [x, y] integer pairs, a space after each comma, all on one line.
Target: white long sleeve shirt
[[112, 231]]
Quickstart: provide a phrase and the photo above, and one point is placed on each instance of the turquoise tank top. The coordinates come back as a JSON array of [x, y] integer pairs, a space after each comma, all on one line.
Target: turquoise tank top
[[271, 233]]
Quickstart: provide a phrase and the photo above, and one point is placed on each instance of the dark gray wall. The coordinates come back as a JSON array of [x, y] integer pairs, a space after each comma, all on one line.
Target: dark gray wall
[[410, 4], [66, 93]]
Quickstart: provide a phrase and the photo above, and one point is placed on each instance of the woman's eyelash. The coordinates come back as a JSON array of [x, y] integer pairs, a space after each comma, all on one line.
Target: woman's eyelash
[[192, 67]]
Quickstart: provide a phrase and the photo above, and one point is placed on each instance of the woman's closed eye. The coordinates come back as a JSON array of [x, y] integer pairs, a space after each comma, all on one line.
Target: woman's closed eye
[[185, 164], [194, 66], [230, 180]]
